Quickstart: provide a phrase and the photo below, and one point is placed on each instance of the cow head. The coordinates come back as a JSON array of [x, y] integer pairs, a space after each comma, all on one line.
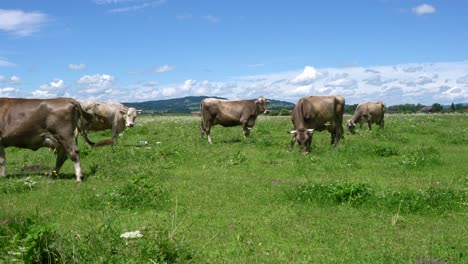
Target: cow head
[[130, 116], [303, 137], [351, 126], [262, 105]]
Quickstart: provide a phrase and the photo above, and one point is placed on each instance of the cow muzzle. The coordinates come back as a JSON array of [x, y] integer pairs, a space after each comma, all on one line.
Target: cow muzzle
[[129, 125]]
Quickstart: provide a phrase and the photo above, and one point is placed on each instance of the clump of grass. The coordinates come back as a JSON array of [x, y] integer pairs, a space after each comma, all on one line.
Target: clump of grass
[[105, 243], [335, 193], [422, 156], [237, 158], [30, 240], [385, 150], [357, 194], [10, 186], [138, 193], [418, 201]]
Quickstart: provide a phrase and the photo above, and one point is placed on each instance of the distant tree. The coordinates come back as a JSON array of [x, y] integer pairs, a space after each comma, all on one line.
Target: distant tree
[[349, 109], [436, 107], [452, 107]]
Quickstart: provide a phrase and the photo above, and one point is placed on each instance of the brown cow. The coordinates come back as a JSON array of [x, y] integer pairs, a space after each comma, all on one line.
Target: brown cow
[[372, 112], [114, 116], [230, 113], [36, 123], [316, 113]]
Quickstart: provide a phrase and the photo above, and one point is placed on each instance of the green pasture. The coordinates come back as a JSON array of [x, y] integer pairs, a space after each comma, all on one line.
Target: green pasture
[[398, 195]]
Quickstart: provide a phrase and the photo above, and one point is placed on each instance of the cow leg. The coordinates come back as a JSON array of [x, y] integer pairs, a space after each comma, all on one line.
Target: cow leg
[[246, 130], [338, 134], [72, 150], [115, 136], [291, 145], [2, 160], [207, 129], [88, 142], [382, 123], [61, 157], [333, 136], [361, 122]]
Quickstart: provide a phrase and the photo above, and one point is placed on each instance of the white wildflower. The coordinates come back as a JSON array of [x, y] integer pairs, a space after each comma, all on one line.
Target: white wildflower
[[133, 234]]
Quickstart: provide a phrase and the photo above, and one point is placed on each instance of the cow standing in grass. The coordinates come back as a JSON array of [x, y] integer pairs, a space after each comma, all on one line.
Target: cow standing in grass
[[36, 123], [230, 113], [372, 112], [316, 113], [112, 115]]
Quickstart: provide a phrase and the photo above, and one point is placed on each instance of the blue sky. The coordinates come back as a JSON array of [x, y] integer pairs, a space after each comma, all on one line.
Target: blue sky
[[399, 51]]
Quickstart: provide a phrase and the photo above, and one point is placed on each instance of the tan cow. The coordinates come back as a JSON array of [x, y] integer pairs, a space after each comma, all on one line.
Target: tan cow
[[36, 123], [112, 115], [372, 112], [313, 113], [230, 113]]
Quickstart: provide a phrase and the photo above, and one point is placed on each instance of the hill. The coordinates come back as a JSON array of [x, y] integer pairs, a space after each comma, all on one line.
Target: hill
[[189, 104]]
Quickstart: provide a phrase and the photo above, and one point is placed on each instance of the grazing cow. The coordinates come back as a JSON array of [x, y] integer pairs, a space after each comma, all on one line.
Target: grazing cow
[[112, 115], [316, 113], [372, 112], [230, 113], [36, 123]]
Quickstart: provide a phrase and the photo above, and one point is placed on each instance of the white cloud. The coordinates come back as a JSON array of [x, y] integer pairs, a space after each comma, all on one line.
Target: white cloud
[[12, 79], [424, 83], [8, 92], [52, 89], [165, 68], [21, 23], [169, 91], [134, 7], [77, 67], [424, 9], [5, 63], [96, 84], [307, 76], [188, 84]]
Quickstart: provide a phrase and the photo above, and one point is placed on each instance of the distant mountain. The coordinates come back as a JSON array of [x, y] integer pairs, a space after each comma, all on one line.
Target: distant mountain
[[189, 104]]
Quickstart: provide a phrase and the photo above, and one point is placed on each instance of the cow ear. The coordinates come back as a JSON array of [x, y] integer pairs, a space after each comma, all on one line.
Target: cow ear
[[123, 112]]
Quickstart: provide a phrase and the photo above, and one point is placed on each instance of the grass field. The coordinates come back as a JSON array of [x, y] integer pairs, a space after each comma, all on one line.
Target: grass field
[[398, 195]]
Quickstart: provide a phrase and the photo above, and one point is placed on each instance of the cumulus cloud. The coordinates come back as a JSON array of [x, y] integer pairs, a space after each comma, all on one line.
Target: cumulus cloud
[[307, 76], [77, 67], [96, 84], [8, 92], [12, 79], [20, 23], [423, 9], [52, 89], [188, 84]]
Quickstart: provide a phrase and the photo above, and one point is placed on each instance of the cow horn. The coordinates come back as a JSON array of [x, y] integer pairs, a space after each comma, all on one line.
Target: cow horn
[[293, 132], [310, 130]]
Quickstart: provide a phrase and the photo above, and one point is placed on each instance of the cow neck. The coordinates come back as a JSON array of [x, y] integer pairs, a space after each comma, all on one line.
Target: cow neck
[[299, 117]]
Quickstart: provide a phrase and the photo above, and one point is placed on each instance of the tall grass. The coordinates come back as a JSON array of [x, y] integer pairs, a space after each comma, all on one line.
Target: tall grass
[[397, 195]]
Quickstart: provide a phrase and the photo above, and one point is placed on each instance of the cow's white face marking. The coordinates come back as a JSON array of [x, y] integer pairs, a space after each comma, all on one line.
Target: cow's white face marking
[[130, 117]]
